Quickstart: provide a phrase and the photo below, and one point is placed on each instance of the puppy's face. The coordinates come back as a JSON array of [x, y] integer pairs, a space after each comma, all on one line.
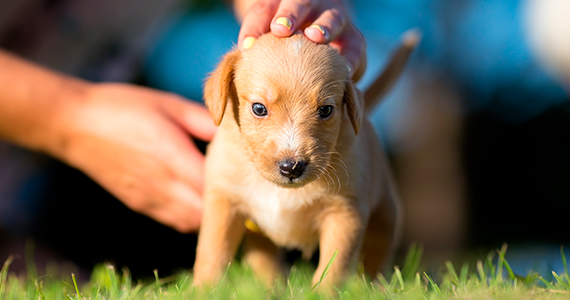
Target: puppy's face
[[289, 98]]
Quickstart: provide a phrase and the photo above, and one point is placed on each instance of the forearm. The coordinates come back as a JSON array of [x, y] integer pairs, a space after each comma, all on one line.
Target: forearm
[[30, 98]]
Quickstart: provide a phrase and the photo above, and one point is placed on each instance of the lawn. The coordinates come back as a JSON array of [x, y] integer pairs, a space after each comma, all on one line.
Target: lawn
[[488, 278]]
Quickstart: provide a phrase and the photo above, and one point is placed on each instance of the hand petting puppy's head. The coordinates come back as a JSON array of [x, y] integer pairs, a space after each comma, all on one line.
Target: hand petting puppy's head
[[288, 97]]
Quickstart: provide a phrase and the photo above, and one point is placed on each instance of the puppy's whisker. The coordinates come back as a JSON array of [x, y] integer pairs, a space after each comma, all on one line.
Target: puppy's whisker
[[330, 170], [327, 176], [346, 172], [324, 171], [332, 185], [339, 183], [342, 165]]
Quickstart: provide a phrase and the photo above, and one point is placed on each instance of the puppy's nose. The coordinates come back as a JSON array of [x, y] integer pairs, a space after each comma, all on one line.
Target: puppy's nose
[[292, 168]]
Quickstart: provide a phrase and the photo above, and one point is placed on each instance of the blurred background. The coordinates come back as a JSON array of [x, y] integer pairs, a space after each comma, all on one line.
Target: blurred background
[[478, 129]]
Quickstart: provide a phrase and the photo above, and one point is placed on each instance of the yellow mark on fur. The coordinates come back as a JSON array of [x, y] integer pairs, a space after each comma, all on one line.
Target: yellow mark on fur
[[248, 42], [285, 22], [249, 224]]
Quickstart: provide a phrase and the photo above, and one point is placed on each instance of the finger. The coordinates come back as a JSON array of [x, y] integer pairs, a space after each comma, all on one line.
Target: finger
[[180, 207], [193, 117], [198, 121], [171, 217], [352, 46], [186, 207], [187, 165], [326, 27], [256, 22], [291, 16], [158, 210], [357, 63]]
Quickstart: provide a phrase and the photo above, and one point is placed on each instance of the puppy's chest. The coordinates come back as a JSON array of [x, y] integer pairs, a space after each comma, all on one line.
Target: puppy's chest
[[287, 216]]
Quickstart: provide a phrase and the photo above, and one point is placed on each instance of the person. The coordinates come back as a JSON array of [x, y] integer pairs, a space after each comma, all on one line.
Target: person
[[133, 141]]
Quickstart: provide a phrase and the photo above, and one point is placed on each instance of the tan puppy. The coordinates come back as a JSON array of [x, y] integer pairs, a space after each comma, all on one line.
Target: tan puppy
[[296, 155]]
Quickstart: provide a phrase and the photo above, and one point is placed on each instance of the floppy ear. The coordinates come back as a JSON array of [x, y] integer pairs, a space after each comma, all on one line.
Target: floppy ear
[[219, 86], [353, 98]]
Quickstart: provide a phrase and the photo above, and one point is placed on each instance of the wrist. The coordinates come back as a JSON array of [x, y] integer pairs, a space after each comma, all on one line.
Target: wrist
[[60, 133]]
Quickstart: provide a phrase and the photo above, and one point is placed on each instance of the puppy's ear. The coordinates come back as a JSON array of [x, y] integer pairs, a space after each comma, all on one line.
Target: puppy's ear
[[220, 86], [353, 98]]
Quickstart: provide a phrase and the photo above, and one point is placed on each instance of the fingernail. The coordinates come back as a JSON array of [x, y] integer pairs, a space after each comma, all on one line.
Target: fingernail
[[248, 42], [285, 22], [320, 28]]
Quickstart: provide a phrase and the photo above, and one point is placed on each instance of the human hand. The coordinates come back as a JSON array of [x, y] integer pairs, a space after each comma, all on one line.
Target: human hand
[[135, 142], [322, 21]]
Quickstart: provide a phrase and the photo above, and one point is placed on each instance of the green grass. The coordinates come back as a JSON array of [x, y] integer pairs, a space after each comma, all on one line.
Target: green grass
[[489, 278]]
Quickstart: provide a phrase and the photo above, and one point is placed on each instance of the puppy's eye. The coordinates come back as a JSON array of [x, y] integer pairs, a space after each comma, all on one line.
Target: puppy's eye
[[325, 111], [259, 109]]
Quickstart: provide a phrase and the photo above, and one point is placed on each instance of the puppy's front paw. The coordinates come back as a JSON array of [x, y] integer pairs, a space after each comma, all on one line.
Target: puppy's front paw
[[204, 282], [204, 276]]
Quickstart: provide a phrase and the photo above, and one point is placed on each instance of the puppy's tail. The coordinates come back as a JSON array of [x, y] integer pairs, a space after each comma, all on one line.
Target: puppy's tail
[[378, 89]]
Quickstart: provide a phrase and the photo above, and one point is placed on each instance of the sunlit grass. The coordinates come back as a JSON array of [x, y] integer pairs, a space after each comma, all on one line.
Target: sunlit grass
[[488, 278]]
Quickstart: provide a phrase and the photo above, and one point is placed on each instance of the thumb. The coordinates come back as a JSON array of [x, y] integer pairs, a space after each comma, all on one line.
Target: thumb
[[193, 117]]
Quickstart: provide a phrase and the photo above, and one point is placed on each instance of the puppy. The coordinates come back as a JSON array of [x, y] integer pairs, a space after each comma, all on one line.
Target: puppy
[[296, 156]]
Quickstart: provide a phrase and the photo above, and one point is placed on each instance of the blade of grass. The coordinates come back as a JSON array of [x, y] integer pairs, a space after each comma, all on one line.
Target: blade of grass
[[364, 278], [452, 274], [564, 262], [31, 268], [39, 290], [290, 288], [394, 282], [560, 281], [157, 281], [113, 281], [481, 271], [66, 294], [385, 284], [226, 273], [548, 284], [127, 281], [417, 280], [530, 279], [510, 272], [75, 285], [500, 263], [133, 294], [325, 272], [489, 264], [433, 284], [464, 273], [4, 274], [412, 261], [182, 283], [97, 292], [399, 277], [338, 290]]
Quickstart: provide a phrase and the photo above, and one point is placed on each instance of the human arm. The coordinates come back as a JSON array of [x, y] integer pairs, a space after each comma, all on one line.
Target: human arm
[[322, 21], [133, 141]]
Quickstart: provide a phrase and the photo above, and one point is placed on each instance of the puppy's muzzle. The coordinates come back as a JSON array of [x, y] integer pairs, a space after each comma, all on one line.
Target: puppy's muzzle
[[292, 168]]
